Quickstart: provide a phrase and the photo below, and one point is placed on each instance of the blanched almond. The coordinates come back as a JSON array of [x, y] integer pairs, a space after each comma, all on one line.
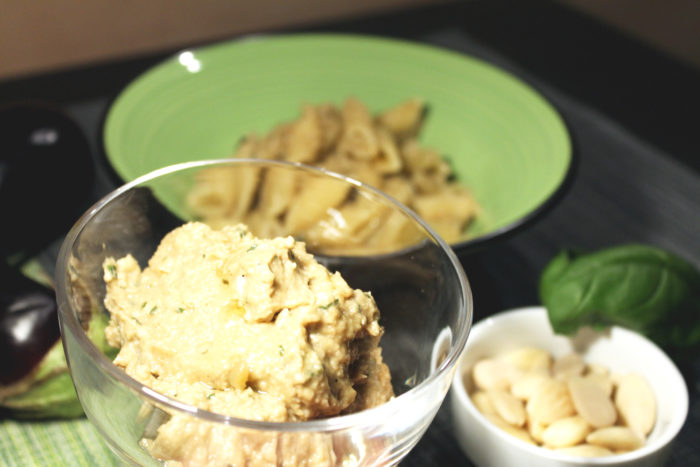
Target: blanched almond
[[550, 402], [615, 438], [491, 373], [636, 403], [510, 429], [507, 406], [616, 378], [528, 359], [536, 429], [563, 404], [591, 402], [527, 384], [566, 432], [482, 402], [586, 450], [597, 369], [603, 381], [568, 365]]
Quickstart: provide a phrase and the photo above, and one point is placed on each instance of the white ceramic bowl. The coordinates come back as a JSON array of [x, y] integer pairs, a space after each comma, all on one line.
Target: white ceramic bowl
[[619, 349]]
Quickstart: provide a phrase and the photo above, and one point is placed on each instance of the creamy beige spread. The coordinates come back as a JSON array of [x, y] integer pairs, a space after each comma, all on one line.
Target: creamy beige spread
[[248, 327]]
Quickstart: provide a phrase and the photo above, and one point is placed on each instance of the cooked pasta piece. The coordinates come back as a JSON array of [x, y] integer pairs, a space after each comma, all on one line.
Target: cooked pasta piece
[[305, 137], [404, 119], [331, 121], [359, 136], [318, 196], [395, 230], [224, 192], [348, 226], [388, 159], [277, 192]]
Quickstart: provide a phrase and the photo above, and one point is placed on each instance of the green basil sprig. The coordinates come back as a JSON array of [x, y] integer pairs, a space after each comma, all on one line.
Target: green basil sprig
[[640, 287]]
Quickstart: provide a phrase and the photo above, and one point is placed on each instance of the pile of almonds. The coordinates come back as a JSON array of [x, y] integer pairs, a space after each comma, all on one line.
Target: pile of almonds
[[563, 404]]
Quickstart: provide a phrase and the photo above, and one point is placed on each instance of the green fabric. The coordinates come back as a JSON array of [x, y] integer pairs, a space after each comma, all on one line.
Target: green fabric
[[53, 443]]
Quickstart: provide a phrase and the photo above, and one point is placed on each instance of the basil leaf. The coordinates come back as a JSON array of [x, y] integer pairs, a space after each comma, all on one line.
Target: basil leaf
[[640, 287]]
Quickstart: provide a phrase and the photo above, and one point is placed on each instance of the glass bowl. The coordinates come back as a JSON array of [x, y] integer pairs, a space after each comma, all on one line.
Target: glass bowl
[[418, 284]]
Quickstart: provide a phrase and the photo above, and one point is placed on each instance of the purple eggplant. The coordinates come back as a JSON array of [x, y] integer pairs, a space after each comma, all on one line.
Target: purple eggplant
[[28, 325], [46, 178], [46, 181]]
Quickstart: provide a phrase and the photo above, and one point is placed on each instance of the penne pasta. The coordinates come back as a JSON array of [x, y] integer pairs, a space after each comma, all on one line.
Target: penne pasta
[[318, 196], [381, 151], [404, 119], [305, 137], [359, 137]]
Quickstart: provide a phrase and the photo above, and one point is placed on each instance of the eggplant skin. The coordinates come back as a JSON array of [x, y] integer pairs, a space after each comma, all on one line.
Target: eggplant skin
[[28, 324], [46, 177], [42, 148], [47, 391]]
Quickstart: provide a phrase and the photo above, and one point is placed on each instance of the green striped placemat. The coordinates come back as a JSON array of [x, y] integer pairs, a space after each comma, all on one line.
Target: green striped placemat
[[53, 443]]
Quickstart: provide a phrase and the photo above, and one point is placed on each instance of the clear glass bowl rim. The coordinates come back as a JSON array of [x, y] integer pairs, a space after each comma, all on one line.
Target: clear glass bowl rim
[[367, 417]]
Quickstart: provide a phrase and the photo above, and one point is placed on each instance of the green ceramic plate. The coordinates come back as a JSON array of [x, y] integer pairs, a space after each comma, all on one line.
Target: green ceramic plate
[[505, 141]]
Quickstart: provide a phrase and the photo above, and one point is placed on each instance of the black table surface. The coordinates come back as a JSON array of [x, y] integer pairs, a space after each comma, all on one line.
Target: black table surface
[[632, 114]]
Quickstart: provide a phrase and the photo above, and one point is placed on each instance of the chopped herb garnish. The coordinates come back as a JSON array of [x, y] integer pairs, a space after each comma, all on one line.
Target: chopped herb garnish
[[252, 247], [136, 320], [112, 270], [210, 395], [290, 253], [180, 309], [281, 350], [333, 303], [143, 305], [153, 310]]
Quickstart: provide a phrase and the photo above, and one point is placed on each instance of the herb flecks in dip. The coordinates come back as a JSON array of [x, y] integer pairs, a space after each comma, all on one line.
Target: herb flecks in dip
[[243, 326]]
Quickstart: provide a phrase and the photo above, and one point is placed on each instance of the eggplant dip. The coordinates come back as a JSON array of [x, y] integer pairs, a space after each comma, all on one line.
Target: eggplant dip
[[247, 327]]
